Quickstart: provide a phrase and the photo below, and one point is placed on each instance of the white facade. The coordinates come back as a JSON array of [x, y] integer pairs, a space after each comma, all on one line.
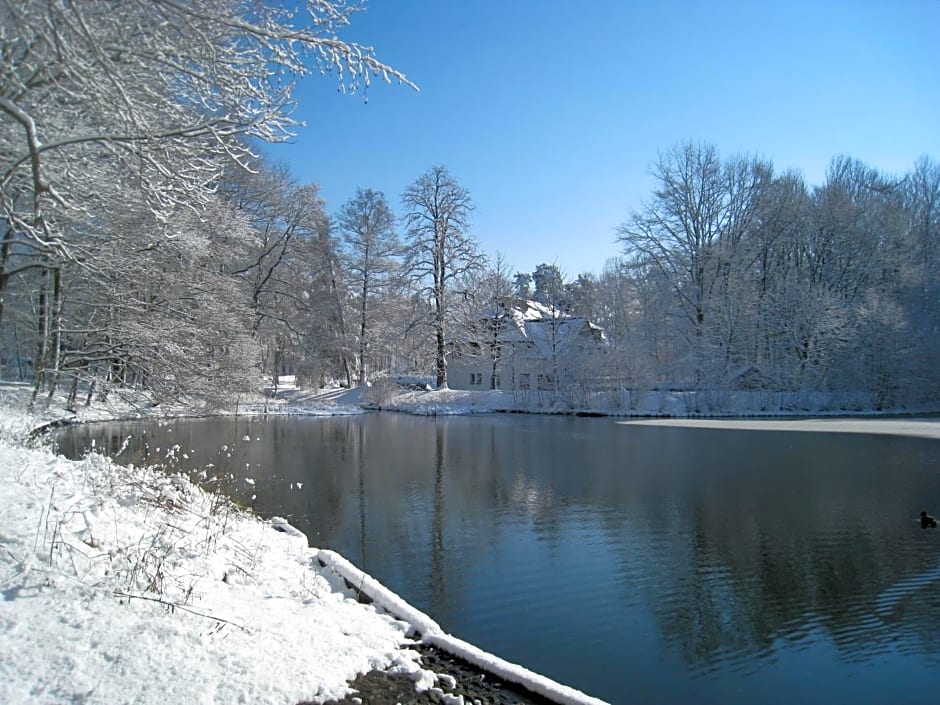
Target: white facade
[[524, 345]]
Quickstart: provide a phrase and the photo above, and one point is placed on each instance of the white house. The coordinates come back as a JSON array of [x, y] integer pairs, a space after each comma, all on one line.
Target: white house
[[524, 345]]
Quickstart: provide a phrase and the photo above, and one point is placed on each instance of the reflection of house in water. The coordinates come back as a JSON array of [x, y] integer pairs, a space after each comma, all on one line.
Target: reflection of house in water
[[522, 345], [531, 497]]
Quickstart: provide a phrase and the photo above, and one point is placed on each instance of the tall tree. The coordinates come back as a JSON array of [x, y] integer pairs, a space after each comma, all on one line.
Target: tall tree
[[774, 280], [327, 333], [583, 296], [692, 230], [921, 190], [550, 291], [167, 318], [437, 219], [285, 218], [372, 260]]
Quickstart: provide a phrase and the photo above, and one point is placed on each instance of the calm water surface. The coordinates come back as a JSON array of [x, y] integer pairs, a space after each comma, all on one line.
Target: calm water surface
[[639, 564]]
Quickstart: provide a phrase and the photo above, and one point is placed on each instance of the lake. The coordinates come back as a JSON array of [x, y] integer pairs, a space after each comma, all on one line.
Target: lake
[[640, 564]]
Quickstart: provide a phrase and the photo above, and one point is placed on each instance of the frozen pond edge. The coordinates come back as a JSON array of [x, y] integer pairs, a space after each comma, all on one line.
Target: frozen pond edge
[[894, 426]]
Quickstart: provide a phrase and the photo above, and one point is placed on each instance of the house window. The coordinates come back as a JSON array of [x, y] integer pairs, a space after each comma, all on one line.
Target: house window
[[524, 380], [496, 383], [476, 379]]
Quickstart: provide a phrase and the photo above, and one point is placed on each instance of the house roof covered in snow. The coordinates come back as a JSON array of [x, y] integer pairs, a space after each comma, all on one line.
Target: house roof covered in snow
[[543, 325]]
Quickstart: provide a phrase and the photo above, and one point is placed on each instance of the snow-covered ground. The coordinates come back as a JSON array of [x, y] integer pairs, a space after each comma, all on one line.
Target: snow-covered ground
[[121, 585], [651, 403], [125, 585]]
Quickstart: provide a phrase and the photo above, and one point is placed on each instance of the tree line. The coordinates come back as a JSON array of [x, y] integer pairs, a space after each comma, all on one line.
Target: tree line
[[143, 243], [737, 276]]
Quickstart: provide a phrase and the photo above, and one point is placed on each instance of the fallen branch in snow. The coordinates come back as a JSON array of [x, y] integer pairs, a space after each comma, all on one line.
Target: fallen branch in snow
[[176, 606]]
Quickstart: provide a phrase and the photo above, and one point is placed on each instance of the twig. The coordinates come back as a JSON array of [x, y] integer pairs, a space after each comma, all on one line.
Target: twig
[[175, 606]]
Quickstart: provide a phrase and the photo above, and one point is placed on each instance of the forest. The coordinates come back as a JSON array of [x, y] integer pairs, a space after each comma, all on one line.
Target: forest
[[144, 242]]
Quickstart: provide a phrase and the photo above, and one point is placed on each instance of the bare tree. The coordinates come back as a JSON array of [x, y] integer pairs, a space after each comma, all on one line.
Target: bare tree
[[922, 199], [692, 230], [551, 292], [167, 318], [634, 308], [496, 286], [327, 333], [372, 260], [437, 219], [284, 219]]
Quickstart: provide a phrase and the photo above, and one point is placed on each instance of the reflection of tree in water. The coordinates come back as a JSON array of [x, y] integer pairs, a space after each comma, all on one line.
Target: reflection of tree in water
[[361, 468], [774, 564], [735, 554], [437, 572], [915, 615]]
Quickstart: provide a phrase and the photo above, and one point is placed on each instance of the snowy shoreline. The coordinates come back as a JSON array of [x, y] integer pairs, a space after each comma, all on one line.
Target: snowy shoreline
[[668, 409], [126, 585]]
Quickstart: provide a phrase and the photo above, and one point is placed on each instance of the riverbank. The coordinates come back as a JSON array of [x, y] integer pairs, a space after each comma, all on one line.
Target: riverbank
[[124, 585], [656, 403]]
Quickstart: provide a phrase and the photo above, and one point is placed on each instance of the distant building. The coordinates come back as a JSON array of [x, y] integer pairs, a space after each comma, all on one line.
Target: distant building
[[523, 345]]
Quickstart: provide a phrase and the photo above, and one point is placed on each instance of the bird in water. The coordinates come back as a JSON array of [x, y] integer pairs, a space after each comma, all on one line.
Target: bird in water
[[927, 521]]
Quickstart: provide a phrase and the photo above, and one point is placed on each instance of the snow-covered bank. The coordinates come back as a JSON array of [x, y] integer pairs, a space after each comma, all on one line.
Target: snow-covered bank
[[121, 405], [623, 403], [121, 585], [125, 585]]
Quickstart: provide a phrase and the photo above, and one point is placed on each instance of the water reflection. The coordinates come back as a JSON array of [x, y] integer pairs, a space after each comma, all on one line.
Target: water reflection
[[640, 564]]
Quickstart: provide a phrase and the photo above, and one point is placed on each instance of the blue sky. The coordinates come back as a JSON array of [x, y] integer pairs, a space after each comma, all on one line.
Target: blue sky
[[551, 112]]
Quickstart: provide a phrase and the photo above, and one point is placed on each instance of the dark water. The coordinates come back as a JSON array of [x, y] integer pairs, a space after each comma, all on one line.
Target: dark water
[[639, 564]]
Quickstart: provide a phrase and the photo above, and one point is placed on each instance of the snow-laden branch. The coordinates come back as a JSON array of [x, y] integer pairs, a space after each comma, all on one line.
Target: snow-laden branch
[[162, 86]]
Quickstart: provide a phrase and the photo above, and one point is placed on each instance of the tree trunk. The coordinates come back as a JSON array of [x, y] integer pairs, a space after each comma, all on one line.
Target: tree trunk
[[56, 331], [439, 277], [440, 359], [363, 332], [42, 344], [341, 319], [73, 393], [494, 357], [4, 258]]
